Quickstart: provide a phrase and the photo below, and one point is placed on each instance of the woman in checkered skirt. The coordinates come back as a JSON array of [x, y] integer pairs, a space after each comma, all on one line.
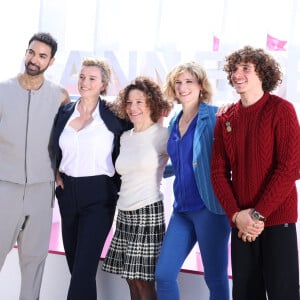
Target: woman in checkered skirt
[[143, 155]]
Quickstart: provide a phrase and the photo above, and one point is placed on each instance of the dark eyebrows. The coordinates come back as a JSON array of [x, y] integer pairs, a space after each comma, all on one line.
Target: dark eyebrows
[[247, 64], [43, 55]]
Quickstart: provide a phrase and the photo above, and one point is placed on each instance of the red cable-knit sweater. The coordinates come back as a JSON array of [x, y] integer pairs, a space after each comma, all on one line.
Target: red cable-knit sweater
[[259, 146]]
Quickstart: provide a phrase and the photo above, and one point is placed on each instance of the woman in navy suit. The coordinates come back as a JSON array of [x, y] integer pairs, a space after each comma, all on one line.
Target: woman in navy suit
[[86, 141]]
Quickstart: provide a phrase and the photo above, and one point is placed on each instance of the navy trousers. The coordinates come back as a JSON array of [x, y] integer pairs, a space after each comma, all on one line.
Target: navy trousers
[[267, 268], [87, 207]]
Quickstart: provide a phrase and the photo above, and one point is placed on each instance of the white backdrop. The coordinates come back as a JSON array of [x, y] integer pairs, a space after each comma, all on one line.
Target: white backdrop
[[150, 36]]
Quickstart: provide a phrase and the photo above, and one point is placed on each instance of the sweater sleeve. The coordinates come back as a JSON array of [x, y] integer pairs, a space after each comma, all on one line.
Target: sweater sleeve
[[287, 160], [221, 173]]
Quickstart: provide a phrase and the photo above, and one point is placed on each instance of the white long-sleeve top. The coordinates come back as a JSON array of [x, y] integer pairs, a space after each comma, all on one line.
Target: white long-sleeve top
[[141, 163]]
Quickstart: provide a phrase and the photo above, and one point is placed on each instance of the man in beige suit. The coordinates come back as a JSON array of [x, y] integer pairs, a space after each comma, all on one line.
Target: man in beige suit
[[28, 105]]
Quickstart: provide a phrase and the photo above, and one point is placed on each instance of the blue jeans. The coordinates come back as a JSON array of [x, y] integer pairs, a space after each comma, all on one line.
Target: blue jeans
[[184, 230]]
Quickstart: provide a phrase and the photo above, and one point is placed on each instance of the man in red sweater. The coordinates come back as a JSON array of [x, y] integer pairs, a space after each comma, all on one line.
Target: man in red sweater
[[255, 164]]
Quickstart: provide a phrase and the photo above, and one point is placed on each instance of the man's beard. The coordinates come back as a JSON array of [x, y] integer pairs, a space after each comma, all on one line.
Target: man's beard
[[36, 71]]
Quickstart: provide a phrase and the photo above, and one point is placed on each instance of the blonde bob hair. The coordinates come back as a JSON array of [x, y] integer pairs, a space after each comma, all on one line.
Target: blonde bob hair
[[105, 70], [200, 75]]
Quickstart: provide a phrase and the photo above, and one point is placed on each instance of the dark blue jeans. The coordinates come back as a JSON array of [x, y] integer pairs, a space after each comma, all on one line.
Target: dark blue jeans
[[184, 230]]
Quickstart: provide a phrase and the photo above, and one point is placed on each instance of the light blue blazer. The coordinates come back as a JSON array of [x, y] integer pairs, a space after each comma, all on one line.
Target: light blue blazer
[[202, 151]]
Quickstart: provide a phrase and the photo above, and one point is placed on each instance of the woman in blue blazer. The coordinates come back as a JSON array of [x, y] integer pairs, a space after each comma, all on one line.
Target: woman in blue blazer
[[197, 215]]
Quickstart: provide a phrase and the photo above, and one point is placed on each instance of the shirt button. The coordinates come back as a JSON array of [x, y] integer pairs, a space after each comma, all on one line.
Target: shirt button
[[195, 164]]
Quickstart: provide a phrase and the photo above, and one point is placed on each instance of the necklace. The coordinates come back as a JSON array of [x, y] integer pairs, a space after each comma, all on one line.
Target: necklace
[[188, 121]]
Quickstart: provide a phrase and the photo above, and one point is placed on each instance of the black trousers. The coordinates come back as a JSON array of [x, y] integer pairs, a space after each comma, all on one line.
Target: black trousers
[[87, 207], [268, 267]]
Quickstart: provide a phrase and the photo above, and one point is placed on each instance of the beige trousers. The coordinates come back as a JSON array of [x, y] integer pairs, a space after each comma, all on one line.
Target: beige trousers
[[25, 218]]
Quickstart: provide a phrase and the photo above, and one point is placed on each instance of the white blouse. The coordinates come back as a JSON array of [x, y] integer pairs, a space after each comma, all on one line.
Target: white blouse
[[87, 152]]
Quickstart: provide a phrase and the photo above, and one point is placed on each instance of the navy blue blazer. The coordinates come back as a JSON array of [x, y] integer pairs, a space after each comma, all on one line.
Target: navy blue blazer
[[114, 124]]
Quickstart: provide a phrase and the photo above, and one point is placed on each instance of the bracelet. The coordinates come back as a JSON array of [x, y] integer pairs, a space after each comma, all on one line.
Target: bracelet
[[236, 214]]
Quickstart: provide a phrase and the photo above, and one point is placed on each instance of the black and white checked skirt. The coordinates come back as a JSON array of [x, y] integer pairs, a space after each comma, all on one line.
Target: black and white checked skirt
[[135, 247]]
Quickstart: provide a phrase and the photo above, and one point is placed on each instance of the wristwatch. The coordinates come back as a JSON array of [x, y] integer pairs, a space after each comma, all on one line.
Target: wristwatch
[[257, 216]]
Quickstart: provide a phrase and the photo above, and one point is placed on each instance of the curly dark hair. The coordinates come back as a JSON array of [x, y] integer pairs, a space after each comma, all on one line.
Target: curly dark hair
[[47, 39], [267, 69], [154, 98]]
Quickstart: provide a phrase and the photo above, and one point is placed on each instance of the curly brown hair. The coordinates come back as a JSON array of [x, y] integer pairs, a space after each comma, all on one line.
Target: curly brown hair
[[154, 98], [267, 69]]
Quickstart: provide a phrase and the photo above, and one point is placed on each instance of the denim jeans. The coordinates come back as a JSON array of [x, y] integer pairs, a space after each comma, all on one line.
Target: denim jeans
[[184, 230]]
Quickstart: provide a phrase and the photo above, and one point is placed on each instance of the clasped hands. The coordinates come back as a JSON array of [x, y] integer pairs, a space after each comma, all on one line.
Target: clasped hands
[[249, 228]]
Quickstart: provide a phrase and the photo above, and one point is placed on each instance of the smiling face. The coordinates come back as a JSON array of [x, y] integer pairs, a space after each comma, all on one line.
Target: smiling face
[[90, 82], [245, 80], [137, 107], [187, 88], [37, 58]]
